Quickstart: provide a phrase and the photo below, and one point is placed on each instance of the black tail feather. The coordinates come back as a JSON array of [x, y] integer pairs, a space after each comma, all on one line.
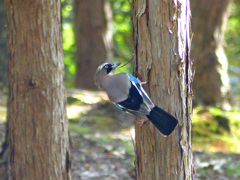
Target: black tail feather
[[164, 121]]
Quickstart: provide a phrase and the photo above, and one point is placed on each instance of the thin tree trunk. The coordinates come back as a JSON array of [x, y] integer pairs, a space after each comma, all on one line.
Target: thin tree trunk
[[38, 126], [162, 43], [92, 21], [211, 85]]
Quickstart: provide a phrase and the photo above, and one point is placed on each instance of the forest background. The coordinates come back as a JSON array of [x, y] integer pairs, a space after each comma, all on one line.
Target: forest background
[[216, 124]]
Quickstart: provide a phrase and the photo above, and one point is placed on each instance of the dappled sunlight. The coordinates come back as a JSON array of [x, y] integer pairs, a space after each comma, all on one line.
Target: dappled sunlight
[[3, 114], [215, 130], [88, 97], [218, 165], [103, 136], [126, 134], [3, 108], [80, 101], [92, 115], [75, 111], [110, 134]]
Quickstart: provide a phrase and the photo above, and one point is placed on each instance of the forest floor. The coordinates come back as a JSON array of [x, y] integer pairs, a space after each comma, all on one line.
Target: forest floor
[[102, 140]]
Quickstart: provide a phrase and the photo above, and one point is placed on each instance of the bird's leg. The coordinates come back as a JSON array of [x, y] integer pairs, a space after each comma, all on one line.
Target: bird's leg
[[141, 122], [144, 82]]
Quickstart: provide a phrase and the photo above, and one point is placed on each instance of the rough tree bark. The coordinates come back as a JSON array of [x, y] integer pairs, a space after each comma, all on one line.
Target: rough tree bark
[[162, 43], [209, 18], [93, 36], [38, 126]]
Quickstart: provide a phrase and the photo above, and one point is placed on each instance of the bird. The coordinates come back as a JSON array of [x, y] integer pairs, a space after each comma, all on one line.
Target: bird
[[126, 92]]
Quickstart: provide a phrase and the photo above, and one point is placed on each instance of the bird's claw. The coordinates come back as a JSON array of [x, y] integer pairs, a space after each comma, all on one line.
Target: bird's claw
[[141, 122], [144, 82]]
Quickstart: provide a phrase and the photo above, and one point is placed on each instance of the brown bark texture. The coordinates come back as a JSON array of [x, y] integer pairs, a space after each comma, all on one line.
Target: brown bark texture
[[38, 126], [162, 44], [92, 21], [209, 18]]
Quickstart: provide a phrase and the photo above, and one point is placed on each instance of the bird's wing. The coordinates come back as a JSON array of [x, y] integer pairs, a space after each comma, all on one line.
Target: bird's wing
[[138, 100]]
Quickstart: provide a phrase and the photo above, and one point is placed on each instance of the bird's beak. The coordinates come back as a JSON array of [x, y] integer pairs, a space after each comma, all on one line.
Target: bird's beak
[[115, 65]]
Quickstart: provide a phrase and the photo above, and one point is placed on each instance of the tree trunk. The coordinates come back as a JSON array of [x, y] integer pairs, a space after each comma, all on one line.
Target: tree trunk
[[3, 48], [209, 18], [38, 126], [162, 43], [93, 39]]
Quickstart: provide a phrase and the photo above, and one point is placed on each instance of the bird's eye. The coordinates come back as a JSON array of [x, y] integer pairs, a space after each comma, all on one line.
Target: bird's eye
[[106, 66]]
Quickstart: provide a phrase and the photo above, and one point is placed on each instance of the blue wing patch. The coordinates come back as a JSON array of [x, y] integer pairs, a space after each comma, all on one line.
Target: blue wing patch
[[133, 79]]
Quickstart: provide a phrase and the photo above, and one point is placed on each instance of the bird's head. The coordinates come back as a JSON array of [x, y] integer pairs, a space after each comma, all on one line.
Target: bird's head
[[104, 70]]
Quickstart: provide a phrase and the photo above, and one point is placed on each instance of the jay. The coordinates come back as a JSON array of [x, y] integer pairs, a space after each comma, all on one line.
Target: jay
[[126, 92]]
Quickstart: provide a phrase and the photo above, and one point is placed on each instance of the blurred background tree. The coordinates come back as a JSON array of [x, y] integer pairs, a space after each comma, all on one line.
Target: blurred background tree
[[93, 38], [3, 47], [121, 27], [211, 82]]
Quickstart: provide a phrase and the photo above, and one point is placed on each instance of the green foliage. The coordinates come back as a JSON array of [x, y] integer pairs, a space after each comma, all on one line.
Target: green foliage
[[123, 45], [69, 54], [122, 37], [74, 127], [102, 121], [216, 130], [232, 48], [232, 169], [217, 165], [122, 33], [129, 148], [68, 42]]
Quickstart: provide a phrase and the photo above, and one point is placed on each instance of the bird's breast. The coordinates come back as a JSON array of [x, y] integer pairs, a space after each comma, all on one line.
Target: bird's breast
[[117, 87]]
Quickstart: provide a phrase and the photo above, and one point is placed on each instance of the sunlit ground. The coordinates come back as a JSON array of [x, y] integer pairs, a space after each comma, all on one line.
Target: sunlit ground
[[215, 133], [101, 135], [214, 130]]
